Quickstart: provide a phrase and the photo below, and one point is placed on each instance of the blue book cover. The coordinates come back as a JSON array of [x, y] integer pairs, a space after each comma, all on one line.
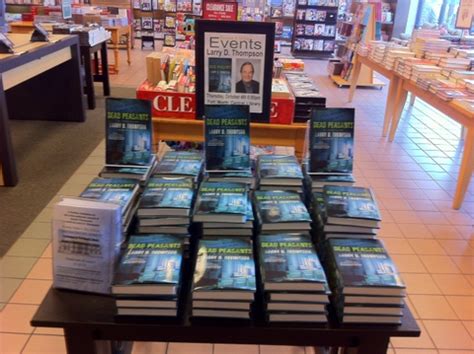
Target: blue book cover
[[331, 140], [224, 264], [180, 163], [168, 192], [150, 259], [128, 132], [220, 75], [289, 258], [350, 202], [115, 190], [279, 166], [280, 206], [362, 263], [222, 198], [227, 137]]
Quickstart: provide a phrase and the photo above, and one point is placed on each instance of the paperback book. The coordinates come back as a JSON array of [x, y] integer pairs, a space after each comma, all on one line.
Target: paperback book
[[180, 163], [227, 137], [279, 170], [128, 132]]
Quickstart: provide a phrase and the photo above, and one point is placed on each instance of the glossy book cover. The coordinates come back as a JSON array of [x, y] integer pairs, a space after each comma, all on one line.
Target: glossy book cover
[[227, 137], [225, 264], [180, 163], [279, 166], [128, 132], [168, 192], [281, 206], [222, 198], [331, 142], [115, 190]]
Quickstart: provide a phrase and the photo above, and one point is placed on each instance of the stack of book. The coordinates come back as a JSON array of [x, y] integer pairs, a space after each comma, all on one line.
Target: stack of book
[[165, 206], [224, 283], [281, 211], [180, 164], [421, 71], [293, 280], [455, 63], [365, 284], [348, 212], [149, 276], [279, 172], [120, 191], [377, 52], [393, 54], [422, 44], [224, 209], [435, 57], [403, 66], [128, 149], [331, 147]]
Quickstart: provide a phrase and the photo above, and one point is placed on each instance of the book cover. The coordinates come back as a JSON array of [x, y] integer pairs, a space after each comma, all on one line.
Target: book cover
[[331, 140], [217, 199], [363, 263], [280, 206], [224, 264], [114, 190], [150, 260], [292, 259], [180, 163], [128, 132], [227, 137], [168, 193], [220, 75], [279, 166], [350, 202]]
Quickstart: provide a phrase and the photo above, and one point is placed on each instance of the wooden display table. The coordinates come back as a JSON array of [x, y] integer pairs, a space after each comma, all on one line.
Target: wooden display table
[[260, 133], [396, 99], [86, 318], [42, 81], [116, 33]]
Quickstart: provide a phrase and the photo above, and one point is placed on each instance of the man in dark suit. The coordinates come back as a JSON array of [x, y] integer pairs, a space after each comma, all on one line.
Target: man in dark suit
[[247, 84]]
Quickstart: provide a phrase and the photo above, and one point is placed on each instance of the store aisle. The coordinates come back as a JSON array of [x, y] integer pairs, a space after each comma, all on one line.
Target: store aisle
[[413, 179]]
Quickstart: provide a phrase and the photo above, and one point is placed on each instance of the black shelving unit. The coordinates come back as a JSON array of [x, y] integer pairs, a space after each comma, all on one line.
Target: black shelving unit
[[314, 33]]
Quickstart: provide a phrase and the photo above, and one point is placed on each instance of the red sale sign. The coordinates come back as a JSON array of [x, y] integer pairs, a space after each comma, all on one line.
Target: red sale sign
[[215, 10]]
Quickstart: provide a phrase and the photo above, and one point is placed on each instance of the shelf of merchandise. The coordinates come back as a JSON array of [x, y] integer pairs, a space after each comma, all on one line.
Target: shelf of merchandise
[[307, 41]]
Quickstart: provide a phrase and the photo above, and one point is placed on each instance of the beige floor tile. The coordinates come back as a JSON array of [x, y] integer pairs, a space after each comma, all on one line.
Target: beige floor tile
[[463, 306], [449, 335], [11, 343], [405, 217], [149, 348], [38, 230], [432, 218], [453, 284], [469, 326], [422, 205], [241, 349], [396, 204], [467, 232], [416, 351], [415, 231], [440, 264], [390, 230], [459, 218], [28, 247], [44, 216], [426, 247], [422, 342], [50, 331], [455, 351], [16, 318], [398, 246], [280, 349], [407, 263], [186, 348], [457, 247], [16, 267], [47, 252], [31, 292], [465, 264], [45, 344], [8, 286], [432, 307], [420, 284], [412, 308], [42, 270]]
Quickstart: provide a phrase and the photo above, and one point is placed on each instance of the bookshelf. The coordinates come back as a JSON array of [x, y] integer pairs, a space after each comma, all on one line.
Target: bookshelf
[[282, 13]]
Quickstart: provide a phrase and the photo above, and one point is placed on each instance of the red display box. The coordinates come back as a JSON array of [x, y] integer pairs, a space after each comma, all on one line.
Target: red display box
[[167, 104]]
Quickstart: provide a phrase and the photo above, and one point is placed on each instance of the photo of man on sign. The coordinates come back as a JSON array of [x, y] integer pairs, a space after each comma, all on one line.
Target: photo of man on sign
[[247, 84]]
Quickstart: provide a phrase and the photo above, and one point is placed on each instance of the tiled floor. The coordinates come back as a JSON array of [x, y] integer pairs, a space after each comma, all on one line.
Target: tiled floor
[[414, 180]]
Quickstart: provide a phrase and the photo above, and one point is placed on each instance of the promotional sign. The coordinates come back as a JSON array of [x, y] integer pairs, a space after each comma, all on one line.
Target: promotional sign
[[234, 62], [223, 11], [465, 14]]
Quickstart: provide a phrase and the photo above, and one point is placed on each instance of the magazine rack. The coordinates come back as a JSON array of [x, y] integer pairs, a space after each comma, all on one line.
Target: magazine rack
[[86, 318]]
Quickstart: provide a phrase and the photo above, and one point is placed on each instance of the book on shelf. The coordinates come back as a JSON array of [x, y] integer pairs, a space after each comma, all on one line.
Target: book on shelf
[[150, 265], [289, 263], [128, 132], [225, 202], [180, 163], [86, 238], [351, 206], [331, 141], [167, 196], [140, 173], [279, 170], [225, 270], [227, 137], [281, 210]]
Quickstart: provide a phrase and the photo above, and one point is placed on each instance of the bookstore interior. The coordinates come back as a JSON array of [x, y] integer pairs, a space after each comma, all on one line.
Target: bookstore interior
[[282, 176]]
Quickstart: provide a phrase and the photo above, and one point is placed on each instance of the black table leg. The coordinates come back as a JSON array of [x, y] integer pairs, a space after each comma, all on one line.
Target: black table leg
[[7, 160], [86, 53], [373, 345], [80, 341], [105, 69], [96, 62]]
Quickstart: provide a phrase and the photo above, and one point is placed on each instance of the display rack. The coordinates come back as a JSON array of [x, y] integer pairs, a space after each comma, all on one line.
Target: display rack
[[282, 13], [314, 34], [362, 30]]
